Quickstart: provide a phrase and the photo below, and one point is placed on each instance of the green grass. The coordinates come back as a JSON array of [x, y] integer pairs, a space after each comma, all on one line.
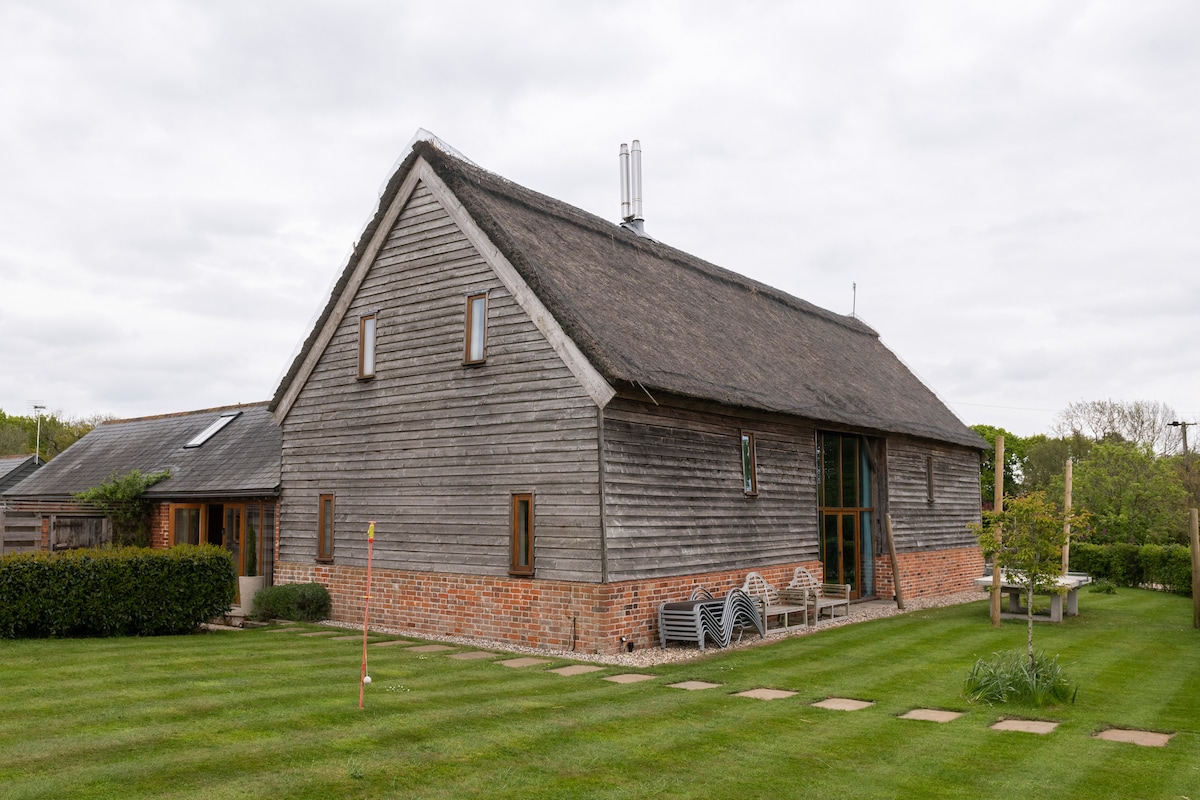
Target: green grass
[[270, 714]]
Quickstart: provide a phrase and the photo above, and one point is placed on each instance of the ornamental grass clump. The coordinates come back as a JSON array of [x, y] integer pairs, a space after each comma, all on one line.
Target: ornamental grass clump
[[1010, 677]]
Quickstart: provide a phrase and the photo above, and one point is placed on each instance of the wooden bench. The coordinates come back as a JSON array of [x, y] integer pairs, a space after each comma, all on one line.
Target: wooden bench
[[771, 604], [820, 596]]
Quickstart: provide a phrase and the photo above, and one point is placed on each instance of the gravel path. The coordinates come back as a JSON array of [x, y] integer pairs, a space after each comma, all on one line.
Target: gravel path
[[679, 651]]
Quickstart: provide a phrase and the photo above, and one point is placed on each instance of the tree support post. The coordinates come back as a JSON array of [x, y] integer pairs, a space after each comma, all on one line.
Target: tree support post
[[1194, 519], [998, 505]]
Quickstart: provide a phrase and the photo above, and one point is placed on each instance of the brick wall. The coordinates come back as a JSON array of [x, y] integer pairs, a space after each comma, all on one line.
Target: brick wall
[[160, 526], [930, 573], [558, 615]]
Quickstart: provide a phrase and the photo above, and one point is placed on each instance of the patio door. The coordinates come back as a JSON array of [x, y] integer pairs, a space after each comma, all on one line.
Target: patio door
[[845, 512]]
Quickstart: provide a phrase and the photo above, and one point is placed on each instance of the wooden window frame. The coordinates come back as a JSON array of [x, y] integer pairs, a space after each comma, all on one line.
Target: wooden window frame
[[202, 516], [324, 518], [366, 345], [469, 327], [929, 479], [749, 464], [515, 567]]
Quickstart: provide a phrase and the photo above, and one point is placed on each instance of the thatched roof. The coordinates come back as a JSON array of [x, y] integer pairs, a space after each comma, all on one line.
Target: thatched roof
[[241, 460], [656, 320]]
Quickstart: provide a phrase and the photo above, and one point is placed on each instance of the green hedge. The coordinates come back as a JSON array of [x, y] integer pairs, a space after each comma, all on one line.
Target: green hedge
[[124, 591], [1168, 566], [305, 602]]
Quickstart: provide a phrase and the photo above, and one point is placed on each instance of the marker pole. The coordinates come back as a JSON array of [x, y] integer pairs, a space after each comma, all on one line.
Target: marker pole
[[362, 678]]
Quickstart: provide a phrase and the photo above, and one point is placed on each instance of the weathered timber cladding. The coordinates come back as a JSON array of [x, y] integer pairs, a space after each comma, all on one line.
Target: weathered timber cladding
[[674, 499], [432, 450], [942, 524]]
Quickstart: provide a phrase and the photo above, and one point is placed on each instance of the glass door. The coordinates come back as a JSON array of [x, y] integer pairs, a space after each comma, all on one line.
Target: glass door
[[844, 511], [232, 535]]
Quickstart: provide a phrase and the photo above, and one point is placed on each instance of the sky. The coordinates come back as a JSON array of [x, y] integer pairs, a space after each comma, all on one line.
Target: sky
[[1009, 193]]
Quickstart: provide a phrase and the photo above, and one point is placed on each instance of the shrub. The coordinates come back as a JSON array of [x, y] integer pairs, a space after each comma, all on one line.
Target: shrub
[[122, 499], [1009, 677], [1161, 566], [127, 591], [304, 602]]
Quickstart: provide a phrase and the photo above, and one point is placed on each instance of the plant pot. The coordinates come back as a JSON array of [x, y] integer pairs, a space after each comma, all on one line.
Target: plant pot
[[247, 588]]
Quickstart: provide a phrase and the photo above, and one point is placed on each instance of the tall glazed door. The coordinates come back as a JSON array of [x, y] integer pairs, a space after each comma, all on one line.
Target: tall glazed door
[[844, 512], [232, 534]]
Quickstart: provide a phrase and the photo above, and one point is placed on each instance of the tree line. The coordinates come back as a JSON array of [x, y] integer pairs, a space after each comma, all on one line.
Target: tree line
[[1130, 469], [19, 435]]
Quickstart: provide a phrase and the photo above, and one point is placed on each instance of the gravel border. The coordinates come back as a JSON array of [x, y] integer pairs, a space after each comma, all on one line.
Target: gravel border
[[679, 651]]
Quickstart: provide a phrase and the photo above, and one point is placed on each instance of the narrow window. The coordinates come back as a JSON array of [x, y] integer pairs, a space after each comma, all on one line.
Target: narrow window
[[366, 346], [476, 329], [929, 478], [521, 562], [325, 529], [749, 467], [185, 524]]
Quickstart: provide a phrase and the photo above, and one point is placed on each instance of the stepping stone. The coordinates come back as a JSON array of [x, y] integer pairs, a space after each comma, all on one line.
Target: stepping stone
[[517, 663], [765, 694], [692, 686], [319, 633], [1025, 726], [392, 643], [346, 639], [843, 704], [576, 669], [474, 655], [1144, 738], [431, 648], [630, 677], [284, 630], [932, 715]]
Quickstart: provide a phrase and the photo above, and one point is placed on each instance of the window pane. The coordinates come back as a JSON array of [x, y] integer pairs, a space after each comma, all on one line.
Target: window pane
[[187, 526], [521, 562], [476, 327], [366, 348], [325, 533], [749, 482]]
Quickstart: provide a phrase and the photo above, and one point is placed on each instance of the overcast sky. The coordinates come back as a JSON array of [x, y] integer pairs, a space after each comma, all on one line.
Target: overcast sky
[[1014, 187]]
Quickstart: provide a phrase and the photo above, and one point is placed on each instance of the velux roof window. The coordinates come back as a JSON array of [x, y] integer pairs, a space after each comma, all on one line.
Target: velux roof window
[[212, 430]]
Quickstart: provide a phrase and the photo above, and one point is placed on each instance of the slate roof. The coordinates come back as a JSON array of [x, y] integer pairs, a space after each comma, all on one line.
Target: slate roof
[[242, 460], [653, 319], [14, 469]]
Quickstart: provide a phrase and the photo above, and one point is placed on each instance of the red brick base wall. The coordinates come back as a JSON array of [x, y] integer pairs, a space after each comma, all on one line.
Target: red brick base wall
[[559, 615], [563, 615], [930, 573]]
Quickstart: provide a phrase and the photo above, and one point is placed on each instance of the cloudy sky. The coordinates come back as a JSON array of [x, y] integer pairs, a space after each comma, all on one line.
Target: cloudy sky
[[1013, 187]]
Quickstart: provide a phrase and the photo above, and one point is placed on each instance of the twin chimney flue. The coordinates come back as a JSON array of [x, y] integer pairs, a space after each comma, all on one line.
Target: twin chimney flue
[[631, 188]]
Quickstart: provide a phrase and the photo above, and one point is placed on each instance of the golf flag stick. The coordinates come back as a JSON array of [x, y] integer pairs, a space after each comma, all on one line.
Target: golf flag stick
[[362, 678]]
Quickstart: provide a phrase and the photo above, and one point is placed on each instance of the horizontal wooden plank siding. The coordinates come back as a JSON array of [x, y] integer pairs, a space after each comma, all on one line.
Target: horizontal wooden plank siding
[[941, 524], [674, 497], [432, 450]]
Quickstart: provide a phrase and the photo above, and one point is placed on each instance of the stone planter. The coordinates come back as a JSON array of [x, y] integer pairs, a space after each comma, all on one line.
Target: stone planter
[[247, 588]]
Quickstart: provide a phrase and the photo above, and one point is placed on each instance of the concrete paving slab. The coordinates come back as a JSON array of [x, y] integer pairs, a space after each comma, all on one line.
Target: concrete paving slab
[[576, 669], [693, 686], [393, 643], [431, 648], [932, 715], [1025, 726], [630, 677], [843, 704], [473, 655], [765, 694], [1144, 738], [517, 663], [357, 638], [319, 633]]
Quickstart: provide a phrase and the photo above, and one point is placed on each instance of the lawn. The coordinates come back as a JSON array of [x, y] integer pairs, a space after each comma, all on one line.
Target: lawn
[[265, 713]]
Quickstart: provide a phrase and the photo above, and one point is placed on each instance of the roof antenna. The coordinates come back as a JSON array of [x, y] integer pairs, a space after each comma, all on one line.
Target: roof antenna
[[854, 298], [631, 188]]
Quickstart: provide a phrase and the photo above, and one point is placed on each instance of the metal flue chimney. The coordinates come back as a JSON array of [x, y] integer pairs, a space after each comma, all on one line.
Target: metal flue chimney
[[631, 187]]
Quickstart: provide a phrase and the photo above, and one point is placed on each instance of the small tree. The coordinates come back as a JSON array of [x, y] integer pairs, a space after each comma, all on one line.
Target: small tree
[[1026, 540], [122, 499]]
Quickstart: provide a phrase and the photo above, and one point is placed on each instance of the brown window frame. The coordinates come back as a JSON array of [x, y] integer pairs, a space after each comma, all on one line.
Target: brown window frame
[[749, 464], [516, 555], [366, 347], [200, 508], [469, 328], [325, 518], [929, 479]]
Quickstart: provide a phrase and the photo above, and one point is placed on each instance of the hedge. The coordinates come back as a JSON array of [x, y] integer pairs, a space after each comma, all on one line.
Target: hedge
[[305, 602], [1165, 566], [125, 591]]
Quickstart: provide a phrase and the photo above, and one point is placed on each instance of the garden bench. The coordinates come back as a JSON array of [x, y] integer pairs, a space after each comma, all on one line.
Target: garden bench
[[772, 604], [821, 596]]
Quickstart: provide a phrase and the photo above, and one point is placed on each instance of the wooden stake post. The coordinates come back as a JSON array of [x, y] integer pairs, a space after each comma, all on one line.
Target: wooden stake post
[[998, 505], [887, 520], [1066, 562], [1194, 519]]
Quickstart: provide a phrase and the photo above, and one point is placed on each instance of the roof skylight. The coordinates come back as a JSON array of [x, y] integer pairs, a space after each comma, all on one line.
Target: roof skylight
[[212, 430]]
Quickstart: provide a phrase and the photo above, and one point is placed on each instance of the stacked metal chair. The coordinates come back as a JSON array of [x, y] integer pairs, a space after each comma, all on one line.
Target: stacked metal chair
[[703, 616]]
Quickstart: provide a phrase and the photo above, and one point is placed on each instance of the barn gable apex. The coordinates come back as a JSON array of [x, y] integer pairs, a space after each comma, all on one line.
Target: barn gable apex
[[417, 172]]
